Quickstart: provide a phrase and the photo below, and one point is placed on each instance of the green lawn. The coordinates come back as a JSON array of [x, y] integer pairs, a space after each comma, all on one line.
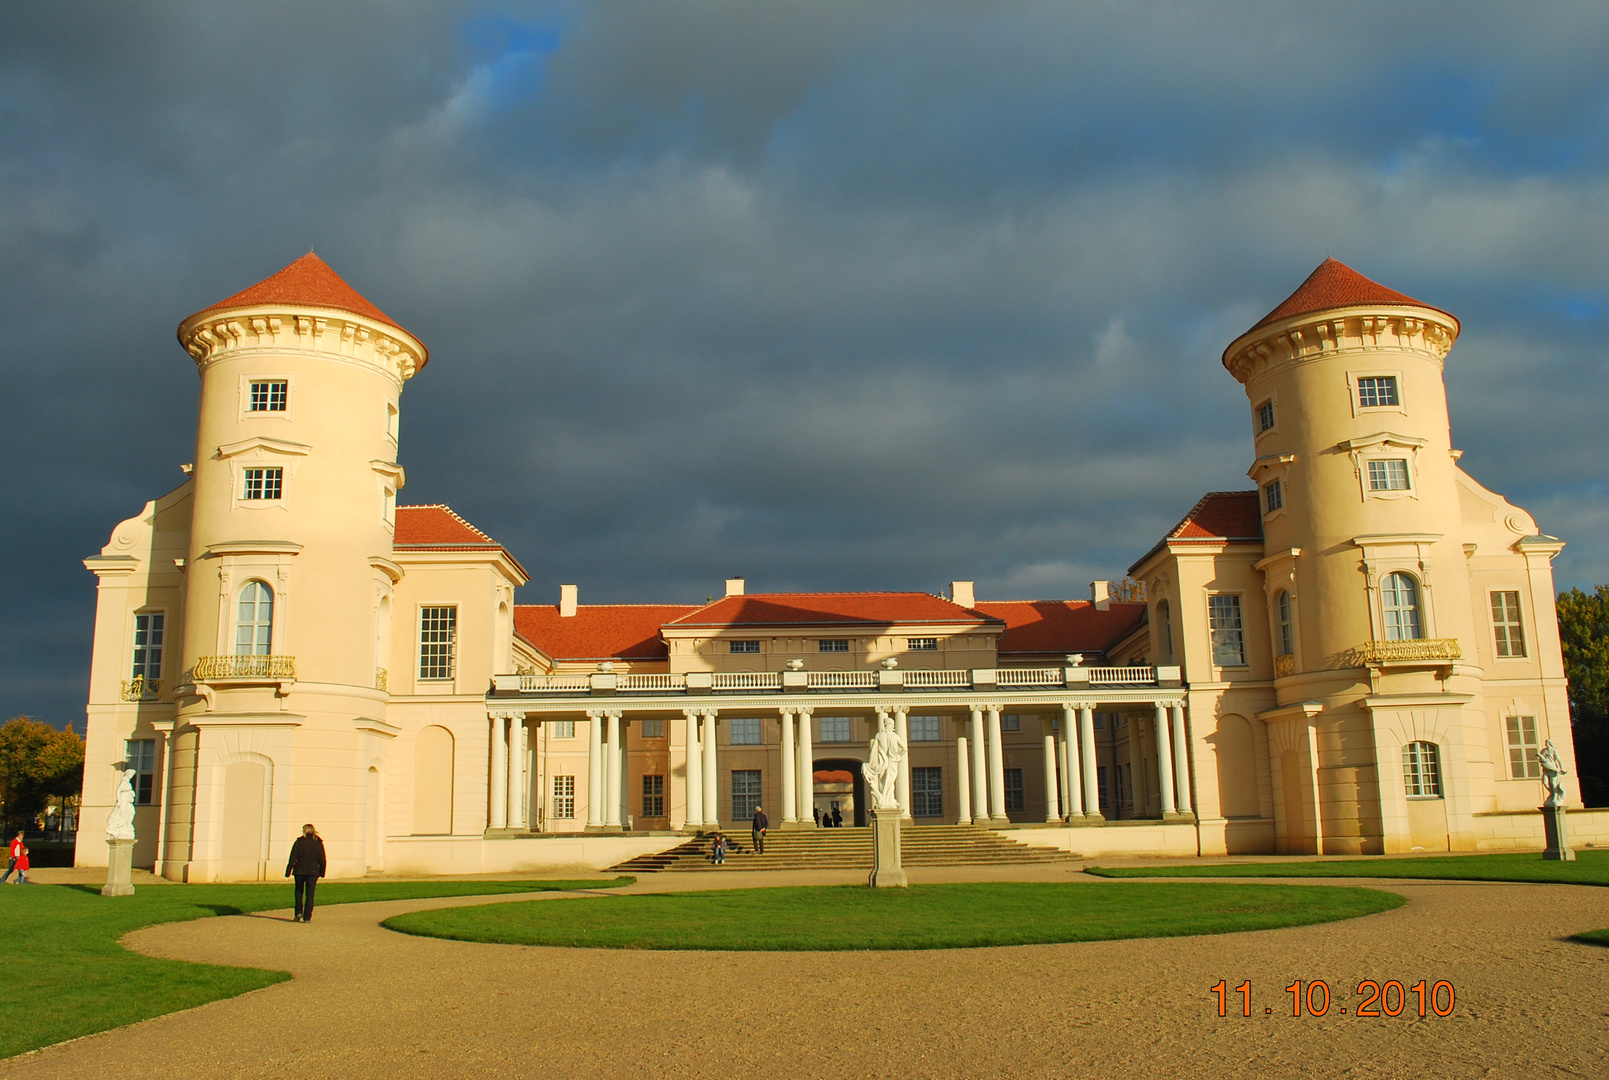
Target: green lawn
[[1592, 937], [66, 975], [833, 918], [1589, 868]]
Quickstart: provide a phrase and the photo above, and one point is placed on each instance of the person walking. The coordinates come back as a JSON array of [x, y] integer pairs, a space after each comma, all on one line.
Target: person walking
[[16, 853], [757, 830], [22, 866], [307, 864]]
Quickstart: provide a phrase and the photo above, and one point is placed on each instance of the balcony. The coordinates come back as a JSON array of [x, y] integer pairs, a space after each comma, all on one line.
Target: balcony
[[1415, 650], [140, 688], [244, 669]]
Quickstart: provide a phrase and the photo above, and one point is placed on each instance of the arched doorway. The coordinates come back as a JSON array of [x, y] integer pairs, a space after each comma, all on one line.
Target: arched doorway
[[837, 781]]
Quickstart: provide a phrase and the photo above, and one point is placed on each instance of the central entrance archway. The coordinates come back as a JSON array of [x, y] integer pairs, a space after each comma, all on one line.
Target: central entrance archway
[[837, 782]]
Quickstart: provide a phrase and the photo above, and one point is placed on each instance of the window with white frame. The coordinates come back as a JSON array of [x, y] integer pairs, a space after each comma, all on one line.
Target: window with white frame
[[1506, 624], [1377, 392], [265, 484], [922, 644], [927, 792], [743, 646], [653, 796], [438, 642], [268, 395], [561, 729], [564, 797], [745, 731], [1273, 496], [1523, 763], [148, 629], [1282, 613], [140, 755], [1011, 722], [833, 645], [1164, 623], [652, 729], [1014, 800], [924, 728], [1265, 416], [1388, 474], [254, 620], [834, 728], [1228, 632], [1421, 770], [745, 793], [1399, 607]]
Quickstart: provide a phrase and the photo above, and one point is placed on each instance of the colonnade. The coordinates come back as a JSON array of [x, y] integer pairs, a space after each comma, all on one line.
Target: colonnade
[[507, 776]]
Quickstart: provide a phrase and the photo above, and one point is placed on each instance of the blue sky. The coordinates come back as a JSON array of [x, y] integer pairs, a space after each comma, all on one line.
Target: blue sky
[[833, 295]]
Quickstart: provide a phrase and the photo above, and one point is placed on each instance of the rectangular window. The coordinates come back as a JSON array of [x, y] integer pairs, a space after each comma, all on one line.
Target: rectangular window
[[148, 646], [1377, 392], [745, 793], [1101, 780], [922, 644], [1388, 474], [141, 757], [653, 796], [743, 646], [562, 729], [652, 729], [835, 729], [1421, 771], [924, 728], [263, 483], [1011, 722], [745, 731], [1273, 496], [1228, 635], [927, 792], [833, 645], [1265, 416], [268, 396], [438, 641], [1522, 760], [1505, 623], [1014, 789], [564, 797]]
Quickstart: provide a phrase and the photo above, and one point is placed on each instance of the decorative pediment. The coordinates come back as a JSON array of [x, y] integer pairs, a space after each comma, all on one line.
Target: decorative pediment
[[263, 443]]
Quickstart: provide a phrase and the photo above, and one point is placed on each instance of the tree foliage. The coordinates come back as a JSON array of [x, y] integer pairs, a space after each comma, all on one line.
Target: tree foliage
[[37, 762], [1584, 634], [1127, 590]]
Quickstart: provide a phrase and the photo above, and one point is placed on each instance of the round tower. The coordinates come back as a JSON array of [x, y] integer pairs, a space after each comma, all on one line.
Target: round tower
[[288, 575]]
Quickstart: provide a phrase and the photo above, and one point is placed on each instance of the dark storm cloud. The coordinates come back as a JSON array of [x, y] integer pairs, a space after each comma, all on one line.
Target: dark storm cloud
[[832, 295]]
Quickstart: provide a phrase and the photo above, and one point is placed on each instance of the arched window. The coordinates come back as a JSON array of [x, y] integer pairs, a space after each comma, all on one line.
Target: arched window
[[1421, 770], [1282, 611], [1399, 603], [254, 620], [1164, 628]]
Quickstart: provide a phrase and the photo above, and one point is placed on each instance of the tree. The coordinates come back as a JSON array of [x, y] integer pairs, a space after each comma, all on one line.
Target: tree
[[1584, 634], [1127, 590], [37, 762]]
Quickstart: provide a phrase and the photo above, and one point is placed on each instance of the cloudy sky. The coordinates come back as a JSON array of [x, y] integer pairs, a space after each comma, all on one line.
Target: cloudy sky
[[832, 295]]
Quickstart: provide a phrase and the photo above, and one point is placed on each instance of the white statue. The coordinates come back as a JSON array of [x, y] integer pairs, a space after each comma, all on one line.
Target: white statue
[[1552, 774], [881, 772], [120, 822]]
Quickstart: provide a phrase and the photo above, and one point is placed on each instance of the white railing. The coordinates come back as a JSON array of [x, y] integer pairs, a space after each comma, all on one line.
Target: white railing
[[1122, 676], [938, 680], [660, 681], [1028, 676], [746, 680], [841, 680], [554, 684]]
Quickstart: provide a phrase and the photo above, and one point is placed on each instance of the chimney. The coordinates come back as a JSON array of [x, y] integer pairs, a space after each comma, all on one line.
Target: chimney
[[1101, 593], [734, 586], [961, 593], [567, 595]]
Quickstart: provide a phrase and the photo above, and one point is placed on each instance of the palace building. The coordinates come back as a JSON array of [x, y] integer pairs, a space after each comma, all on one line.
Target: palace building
[[1357, 654]]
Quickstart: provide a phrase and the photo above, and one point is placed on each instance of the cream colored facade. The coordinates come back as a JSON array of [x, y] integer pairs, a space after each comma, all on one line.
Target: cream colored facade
[[327, 656]]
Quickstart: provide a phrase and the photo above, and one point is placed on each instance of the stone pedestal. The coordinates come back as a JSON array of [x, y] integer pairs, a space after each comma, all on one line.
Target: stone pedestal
[[886, 869], [1558, 836], [119, 868]]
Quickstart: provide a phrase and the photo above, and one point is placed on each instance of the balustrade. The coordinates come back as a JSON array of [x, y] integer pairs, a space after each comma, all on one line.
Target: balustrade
[[1028, 677], [841, 680], [938, 680], [661, 681], [555, 683], [746, 680], [1122, 676], [212, 668]]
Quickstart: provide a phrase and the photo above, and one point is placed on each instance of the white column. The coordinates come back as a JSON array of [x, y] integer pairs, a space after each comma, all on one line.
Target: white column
[[625, 773], [997, 768], [498, 785], [1181, 760], [516, 773], [980, 770], [595, 791], [963, 781], [611, 771], [1164, 759], [694, 782], [902, 783], [1069, 763], [1086, 761], [712, 808], [1052, 803], [790, 770], [807, 768]]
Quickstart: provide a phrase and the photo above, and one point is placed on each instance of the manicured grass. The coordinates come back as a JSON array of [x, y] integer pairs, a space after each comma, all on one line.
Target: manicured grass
[[836, 918], [1592, 937], [1589, 868], [65, 975]]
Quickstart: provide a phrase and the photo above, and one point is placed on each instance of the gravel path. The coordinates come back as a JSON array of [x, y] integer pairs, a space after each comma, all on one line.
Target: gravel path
[[369, 1003]]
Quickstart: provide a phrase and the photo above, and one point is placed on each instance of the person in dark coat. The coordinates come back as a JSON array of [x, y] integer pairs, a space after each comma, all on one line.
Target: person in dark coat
[[307, 864], [757, 830], [837, 817]]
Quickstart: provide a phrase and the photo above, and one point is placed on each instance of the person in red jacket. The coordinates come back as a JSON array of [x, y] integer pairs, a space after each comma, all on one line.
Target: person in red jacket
[[22, 866], [307, 864], [17, 849]]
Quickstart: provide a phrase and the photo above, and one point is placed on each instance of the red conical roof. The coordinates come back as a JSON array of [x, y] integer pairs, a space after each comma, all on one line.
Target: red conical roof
[[1336, 285]]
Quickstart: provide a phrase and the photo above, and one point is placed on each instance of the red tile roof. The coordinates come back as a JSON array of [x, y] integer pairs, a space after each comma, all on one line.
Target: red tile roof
[[1062, 626], [830, 609], [1234, 517], [435, 525], [1335, 285], [598, 631]]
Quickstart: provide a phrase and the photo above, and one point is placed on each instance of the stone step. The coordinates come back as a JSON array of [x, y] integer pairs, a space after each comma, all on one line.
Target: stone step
[[849, 848]]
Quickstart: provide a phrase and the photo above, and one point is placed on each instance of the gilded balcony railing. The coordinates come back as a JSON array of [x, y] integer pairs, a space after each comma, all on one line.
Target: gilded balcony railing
[[381, 680], [1385, 652], [140, 688], [1284, 664], [210, 668]]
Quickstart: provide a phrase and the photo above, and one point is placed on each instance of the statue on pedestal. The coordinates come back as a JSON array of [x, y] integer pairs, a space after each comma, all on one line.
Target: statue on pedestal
[[120, 822], [120, 840], [1552, 774], [882, 770]]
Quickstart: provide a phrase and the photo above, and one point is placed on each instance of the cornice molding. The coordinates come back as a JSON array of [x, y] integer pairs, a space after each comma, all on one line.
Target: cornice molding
[[213, 335], [1337, 332]]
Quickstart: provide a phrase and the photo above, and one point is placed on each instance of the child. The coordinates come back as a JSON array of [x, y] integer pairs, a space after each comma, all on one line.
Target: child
[[718, 849]]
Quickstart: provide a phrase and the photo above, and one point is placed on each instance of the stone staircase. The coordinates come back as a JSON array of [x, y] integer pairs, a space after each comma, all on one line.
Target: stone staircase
[[848, 849]]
